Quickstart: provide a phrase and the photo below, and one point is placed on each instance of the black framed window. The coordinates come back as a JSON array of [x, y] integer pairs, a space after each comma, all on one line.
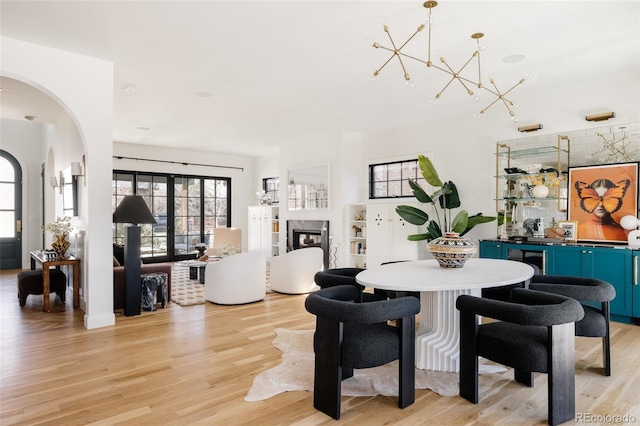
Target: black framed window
[[271, 186], [187, 209], [391, 180]]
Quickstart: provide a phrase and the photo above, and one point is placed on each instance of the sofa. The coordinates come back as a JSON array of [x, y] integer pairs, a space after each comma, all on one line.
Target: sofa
[[118, 279]]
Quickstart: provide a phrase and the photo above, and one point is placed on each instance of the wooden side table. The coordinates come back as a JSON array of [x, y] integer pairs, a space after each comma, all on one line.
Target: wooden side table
[[39, 257]]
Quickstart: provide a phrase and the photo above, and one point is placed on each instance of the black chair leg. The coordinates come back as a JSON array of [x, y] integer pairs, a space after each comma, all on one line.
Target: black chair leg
[[407, 364], [561, 375], [606, 341], [346, 373], [468, 357], [524, 377], [327, 381], [606, 354]]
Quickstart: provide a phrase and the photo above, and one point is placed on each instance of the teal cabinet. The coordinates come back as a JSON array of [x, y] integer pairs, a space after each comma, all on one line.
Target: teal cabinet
[[491, 250], [616, 265]]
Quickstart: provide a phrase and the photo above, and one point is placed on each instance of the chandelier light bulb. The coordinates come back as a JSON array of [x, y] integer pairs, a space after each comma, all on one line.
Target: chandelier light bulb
[[410, 84], [371, 78]]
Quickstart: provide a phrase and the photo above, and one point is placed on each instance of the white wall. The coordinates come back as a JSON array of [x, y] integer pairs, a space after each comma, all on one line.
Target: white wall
[[83, 86]]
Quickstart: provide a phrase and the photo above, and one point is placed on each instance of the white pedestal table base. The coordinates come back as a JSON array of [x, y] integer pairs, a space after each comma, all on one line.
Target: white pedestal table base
[[438, 337]]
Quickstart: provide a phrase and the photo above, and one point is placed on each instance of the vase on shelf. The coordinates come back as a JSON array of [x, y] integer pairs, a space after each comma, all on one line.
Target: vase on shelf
[[540, 191], [61, 245], [452, 250]]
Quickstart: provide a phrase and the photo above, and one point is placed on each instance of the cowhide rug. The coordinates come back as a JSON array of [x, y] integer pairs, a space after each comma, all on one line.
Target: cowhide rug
[[295, 373]]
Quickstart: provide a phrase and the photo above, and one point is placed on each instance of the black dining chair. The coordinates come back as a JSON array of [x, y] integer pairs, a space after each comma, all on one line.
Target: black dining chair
[[587, 291], [504, 292], [353, 335], [534, 333], [345, 276]]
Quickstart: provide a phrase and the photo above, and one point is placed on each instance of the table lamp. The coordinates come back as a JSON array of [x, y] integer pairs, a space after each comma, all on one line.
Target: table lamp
[[132, 209], [631, 223]]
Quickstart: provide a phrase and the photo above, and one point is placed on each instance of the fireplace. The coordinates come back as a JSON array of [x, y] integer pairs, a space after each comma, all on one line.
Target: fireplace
[[309, 233]]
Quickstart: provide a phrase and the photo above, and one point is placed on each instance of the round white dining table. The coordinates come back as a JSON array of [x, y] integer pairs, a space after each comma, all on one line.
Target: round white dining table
[[437, 338]]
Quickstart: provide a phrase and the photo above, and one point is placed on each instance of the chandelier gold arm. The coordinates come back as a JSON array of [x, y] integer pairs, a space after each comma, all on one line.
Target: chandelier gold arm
[[397, 51], [455, 75]]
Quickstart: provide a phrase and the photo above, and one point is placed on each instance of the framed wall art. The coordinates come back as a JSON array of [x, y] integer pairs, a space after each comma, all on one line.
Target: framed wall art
[[599, 196], [569, 229]]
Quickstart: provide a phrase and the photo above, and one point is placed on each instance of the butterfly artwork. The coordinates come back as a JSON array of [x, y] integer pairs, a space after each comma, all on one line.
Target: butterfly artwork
[[599, 196], [610, 198]]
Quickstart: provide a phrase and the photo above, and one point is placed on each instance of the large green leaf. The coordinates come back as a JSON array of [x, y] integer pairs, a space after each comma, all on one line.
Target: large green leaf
[[459, 224], [419, 193], [437, 196], [412, 215], [428, 171], [433, 230], [451, 199], [417, 237], [477, 219]]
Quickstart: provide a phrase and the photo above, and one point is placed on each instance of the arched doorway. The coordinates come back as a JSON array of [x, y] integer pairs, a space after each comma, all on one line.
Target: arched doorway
[[10, 212]]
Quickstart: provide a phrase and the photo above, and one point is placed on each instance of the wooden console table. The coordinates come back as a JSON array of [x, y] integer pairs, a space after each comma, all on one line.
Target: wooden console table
[[39, 257]]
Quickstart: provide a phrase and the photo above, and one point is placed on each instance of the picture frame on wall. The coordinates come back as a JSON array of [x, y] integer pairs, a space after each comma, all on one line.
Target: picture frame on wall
[[599, 196], [569, 229]]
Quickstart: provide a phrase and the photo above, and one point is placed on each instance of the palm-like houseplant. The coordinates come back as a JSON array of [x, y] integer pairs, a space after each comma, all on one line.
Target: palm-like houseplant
[[446, 197]]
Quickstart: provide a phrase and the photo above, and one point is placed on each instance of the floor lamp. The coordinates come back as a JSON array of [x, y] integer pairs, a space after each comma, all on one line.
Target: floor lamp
[[132, 209]]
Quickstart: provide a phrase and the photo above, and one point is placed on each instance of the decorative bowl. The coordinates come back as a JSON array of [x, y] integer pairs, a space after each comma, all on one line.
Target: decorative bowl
[[452, 250]]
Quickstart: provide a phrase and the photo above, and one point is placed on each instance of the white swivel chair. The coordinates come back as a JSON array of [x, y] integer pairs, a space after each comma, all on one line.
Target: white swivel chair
[[293, 272], [237, 279]]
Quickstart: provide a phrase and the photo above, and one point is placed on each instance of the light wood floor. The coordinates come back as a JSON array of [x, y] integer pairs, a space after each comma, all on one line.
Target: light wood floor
[[194, 365]]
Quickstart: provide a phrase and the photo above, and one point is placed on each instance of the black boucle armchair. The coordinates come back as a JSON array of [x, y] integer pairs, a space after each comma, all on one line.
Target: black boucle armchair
[[535, 333], [596, 318], [345, 276], [351, 335]]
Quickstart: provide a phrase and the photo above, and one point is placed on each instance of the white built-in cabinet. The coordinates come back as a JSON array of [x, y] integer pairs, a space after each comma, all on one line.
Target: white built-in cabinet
[[263, 231], [387, 235], [382, 235]]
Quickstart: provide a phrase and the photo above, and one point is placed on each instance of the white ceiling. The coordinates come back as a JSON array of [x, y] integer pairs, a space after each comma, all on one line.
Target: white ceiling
[[281, 70]]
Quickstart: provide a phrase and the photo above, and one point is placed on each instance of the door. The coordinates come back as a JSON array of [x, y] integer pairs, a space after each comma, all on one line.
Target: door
[[10, 212]]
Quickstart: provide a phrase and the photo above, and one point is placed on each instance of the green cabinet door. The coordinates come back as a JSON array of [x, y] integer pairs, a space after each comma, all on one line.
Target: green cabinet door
[[615, 267], [607, 264], [491, 250]]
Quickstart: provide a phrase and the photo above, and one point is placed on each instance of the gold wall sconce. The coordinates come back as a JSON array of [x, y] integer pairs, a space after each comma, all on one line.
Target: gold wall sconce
[[530, 128], [600, 117]]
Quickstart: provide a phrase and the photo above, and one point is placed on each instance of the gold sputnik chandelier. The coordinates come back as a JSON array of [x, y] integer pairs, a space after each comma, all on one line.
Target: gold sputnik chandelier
[[444, 66], [616, 150]]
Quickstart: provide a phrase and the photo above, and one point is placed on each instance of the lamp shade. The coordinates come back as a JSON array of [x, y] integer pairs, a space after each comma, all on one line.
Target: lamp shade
[[133, 209]]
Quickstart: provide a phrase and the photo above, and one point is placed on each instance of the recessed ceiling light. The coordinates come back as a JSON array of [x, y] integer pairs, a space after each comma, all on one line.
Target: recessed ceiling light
[[129, 88], [510, 59], [144, 128], [204, 94]]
